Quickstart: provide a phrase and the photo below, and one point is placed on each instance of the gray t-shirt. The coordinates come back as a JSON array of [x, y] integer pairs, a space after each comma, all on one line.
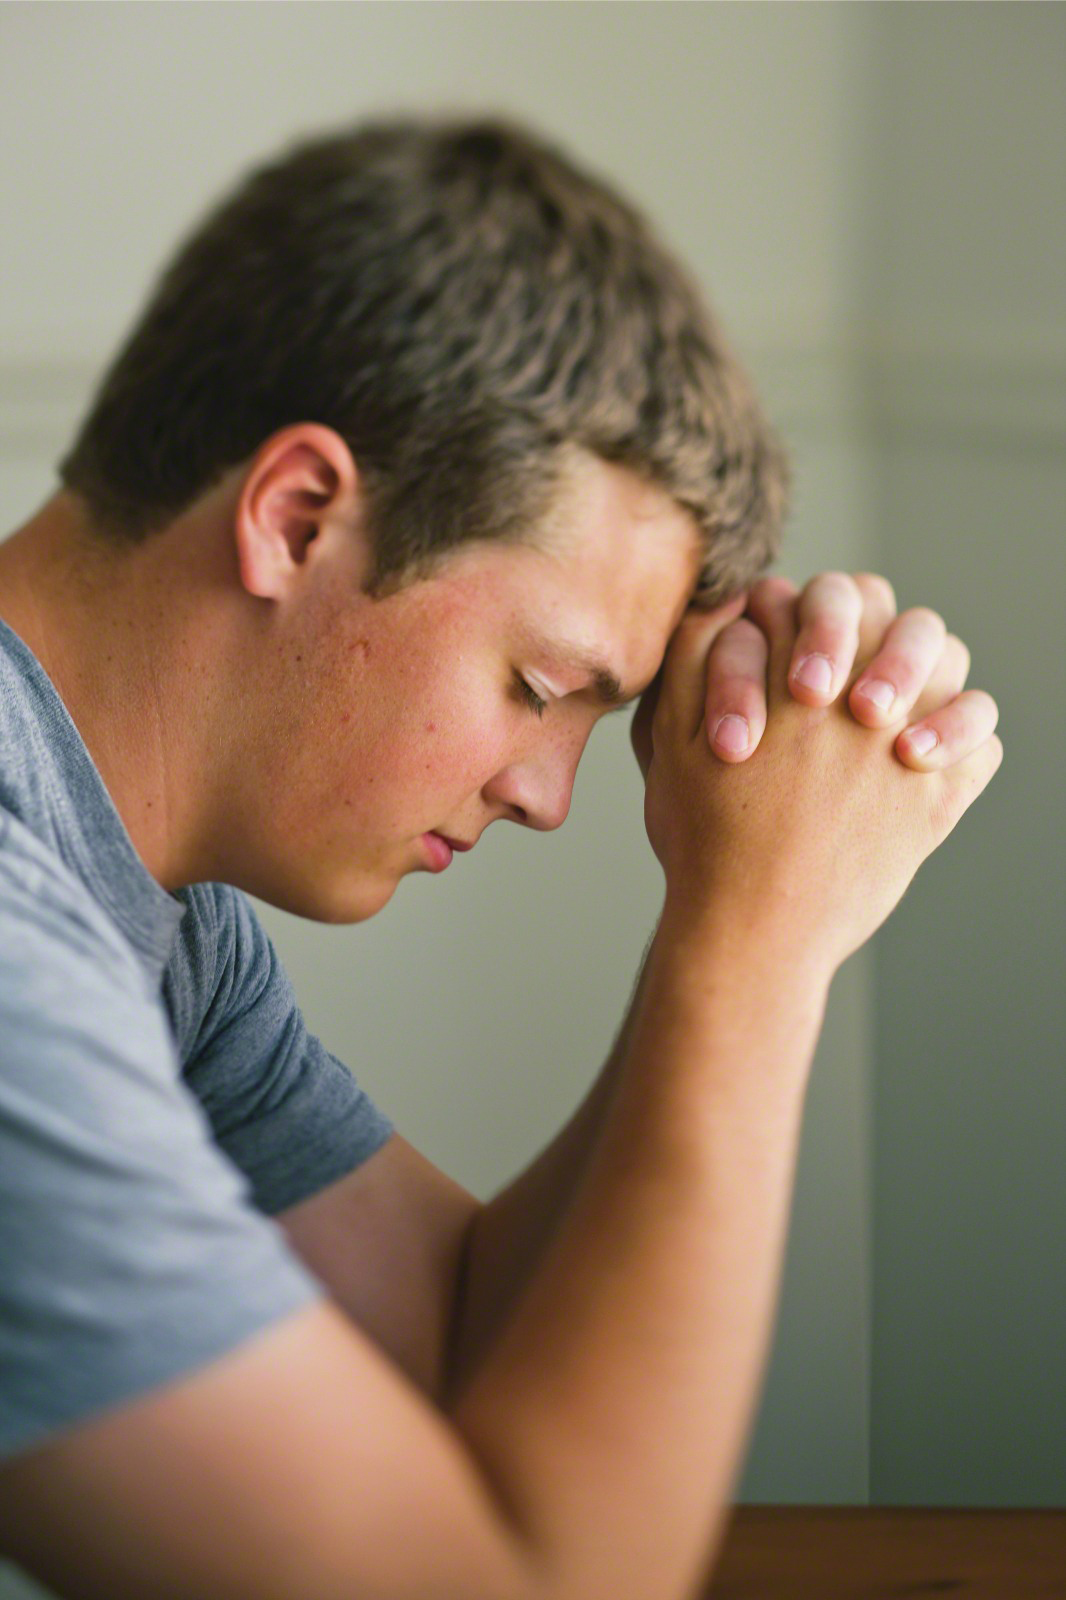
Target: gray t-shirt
[[160, 1096]]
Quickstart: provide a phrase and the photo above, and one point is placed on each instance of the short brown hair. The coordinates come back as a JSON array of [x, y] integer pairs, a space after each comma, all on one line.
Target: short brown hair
[[460, 303]]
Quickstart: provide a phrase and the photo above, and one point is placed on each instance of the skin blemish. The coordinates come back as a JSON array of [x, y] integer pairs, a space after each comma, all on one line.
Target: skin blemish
[[346, 716], [431, 727]]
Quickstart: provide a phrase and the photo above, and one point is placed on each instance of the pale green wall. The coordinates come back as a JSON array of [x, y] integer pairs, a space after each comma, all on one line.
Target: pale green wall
[[967, 289]]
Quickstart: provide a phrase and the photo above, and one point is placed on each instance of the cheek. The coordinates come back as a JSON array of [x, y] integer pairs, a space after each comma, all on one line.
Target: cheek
[[413, 760], [452, 746]]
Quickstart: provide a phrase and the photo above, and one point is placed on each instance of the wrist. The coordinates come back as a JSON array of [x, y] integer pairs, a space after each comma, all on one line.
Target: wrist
[[727, 1013], [762, 946]]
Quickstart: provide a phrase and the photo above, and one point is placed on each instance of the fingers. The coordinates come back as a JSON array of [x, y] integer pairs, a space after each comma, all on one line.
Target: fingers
[[772, 607], [736, 710], [946, 683], [968, 719], [839, 618], [829, 612], [948, 678], [878, 611], [683, 690], [736, 690], [890, 684], [946, 737]]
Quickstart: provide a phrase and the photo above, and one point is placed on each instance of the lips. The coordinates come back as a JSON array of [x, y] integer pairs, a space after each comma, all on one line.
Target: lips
[[438, 851], [456, 844]]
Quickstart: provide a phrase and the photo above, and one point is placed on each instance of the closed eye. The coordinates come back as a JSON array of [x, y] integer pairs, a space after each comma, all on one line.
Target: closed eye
[[530, 697]]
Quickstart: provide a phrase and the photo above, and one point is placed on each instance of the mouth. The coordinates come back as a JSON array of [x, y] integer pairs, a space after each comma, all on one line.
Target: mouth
[[438, 851], [456, 844]]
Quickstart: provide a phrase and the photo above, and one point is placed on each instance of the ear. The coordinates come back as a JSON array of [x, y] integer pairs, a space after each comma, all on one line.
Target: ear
[[301, 480]]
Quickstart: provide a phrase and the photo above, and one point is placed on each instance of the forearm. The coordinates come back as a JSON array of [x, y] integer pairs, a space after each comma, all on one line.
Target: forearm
[[508, 1236], [613, 1408]]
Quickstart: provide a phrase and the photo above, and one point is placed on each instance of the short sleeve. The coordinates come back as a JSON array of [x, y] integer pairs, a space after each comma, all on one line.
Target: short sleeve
[[131, 1250], [285, 1110]]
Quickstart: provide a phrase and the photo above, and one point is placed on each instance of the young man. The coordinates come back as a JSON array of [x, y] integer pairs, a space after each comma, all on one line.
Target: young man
[[411, 470]]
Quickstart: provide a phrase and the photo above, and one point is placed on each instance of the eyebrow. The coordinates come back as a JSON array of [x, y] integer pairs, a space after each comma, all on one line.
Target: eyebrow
[[607, 688]]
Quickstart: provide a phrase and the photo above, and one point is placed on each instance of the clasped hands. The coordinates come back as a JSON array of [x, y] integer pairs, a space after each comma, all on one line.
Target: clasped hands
[[896, 668]]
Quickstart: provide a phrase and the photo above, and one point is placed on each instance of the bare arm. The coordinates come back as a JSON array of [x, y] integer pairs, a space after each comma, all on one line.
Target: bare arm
[[613, 1408]]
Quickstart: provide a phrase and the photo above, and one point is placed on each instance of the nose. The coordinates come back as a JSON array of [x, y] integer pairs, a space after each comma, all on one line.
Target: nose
[[537, 790]]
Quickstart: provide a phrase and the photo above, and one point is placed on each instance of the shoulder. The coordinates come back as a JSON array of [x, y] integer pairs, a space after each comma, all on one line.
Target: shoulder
[[79, 1021], [49, 920], [223, 964]]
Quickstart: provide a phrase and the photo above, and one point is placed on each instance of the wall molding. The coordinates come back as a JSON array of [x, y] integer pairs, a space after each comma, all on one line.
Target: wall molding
[[1009, 394]]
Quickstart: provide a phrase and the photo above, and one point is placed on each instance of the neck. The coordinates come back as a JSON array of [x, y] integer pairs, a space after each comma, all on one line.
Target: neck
[[118, 637]]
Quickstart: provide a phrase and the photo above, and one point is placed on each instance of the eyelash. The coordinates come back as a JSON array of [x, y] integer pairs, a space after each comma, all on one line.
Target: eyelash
[[530, 696]]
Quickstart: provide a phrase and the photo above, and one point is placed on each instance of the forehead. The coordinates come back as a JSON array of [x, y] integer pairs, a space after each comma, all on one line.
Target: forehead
[[620, 562], [607, 578]]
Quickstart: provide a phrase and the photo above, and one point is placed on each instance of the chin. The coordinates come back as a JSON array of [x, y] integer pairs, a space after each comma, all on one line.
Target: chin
[[356, 902], [333, 899]]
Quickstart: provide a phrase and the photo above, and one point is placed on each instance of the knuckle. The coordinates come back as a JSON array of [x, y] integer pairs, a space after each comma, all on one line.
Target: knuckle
[[900, 668], [740, 648], [773, 588], [834, 575], [744, 696], [744, 631], [842, 585], [984, 704], [828, 633], [928, 617], [874, 586]]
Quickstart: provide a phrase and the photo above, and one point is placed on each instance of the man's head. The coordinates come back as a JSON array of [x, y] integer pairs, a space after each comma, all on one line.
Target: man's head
[[416, 406], [367, 722], [459, 302]]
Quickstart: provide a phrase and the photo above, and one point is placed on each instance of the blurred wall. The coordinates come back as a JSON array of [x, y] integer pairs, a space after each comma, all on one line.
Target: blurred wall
[[965, 306], [773, 145]]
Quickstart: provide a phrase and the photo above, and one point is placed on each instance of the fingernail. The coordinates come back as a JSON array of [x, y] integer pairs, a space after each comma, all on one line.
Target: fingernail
[[922, 741], [731, 732], [879, 691], [815, 672]]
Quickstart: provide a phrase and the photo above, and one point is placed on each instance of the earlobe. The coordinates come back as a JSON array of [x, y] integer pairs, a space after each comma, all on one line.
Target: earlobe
[[299, 479]]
